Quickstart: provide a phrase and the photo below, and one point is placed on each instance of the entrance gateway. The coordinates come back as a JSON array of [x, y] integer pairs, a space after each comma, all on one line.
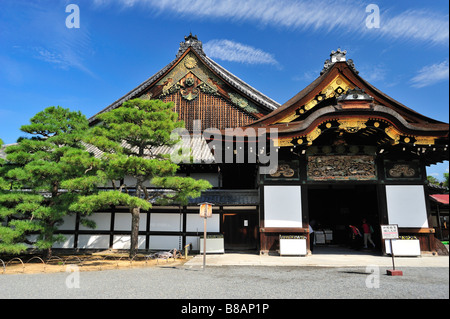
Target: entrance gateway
[[345, 151], [333, 208], [348, 152]]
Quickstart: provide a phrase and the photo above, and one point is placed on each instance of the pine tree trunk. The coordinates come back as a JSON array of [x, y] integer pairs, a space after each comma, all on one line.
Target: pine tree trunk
[[135, 214], [49, 253]]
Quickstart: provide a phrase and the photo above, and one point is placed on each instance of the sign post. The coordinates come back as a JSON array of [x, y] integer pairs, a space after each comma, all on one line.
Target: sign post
[[205, 212], [391, 232]]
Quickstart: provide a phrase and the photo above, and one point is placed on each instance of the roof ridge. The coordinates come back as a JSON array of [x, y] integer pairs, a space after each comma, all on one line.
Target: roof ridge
[[265, 99]]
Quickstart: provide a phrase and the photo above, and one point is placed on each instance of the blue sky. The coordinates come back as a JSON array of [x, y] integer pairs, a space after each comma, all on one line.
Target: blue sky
[[278, 47]]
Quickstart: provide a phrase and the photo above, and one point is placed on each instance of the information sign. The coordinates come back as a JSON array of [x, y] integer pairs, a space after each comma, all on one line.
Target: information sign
[[389, 231]]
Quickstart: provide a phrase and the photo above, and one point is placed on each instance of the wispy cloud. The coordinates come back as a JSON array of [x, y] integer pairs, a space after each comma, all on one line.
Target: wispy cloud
[[373, 72], [228, 50], [54, 58], [45, 36], [431, 74], [289, 13], [345, 15], [422, 25]]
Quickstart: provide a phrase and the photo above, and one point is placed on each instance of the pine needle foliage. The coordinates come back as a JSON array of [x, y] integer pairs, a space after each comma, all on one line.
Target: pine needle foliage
[[33, 201], [128, 137]]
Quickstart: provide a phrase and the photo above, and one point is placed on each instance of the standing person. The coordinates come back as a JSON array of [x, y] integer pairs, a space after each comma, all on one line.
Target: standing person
[[367, 231], [311, 238]]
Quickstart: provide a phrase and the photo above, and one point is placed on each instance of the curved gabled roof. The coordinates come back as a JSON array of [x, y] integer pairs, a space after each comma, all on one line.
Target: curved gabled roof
[[192, 44], [346, 70]]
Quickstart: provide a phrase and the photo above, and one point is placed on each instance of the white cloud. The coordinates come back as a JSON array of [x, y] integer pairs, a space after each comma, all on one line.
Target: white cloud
[[320, 15], [228, 50], [373, 73], [431, 74], [420, 25], [53, 58], [52, 42], [298, 14], [307, 76]]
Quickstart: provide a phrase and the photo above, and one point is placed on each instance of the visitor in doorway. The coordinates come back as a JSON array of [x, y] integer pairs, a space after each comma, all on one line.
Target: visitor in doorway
[[311, 238], [355, 237], [367, 231]]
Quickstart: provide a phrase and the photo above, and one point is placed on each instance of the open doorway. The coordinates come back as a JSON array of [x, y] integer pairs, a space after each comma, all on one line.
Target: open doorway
[[240, 230], [332, 208]]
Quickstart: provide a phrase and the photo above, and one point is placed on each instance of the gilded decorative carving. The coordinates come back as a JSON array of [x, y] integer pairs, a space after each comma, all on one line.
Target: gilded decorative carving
[[189, 81], [393, 134], [283, 170], [424, 140], [190, 62], [190, 77], [313, 135], [400, 170], [341, 167], [238, 100], [338, 86], [188, 90], [352, 125], [209, 89], [283, 142], [242, 102]]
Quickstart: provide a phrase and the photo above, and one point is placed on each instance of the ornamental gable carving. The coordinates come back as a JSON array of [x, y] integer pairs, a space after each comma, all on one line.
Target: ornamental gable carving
[[189, 77], [341, 167]]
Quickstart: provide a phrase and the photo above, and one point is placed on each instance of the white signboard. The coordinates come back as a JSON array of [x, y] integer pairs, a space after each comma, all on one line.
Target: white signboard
[[389, 231]]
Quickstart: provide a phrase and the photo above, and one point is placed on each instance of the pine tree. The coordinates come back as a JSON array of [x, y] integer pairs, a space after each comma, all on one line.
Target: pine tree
[[3, 183], [37, 169], [128, 137]]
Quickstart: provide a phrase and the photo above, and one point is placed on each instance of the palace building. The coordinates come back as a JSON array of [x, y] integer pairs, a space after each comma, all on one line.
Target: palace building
[[345, 151]]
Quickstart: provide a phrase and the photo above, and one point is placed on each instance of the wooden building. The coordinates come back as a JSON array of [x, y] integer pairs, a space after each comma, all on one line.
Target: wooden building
[[201, 90], [439, 206], [345, 151]]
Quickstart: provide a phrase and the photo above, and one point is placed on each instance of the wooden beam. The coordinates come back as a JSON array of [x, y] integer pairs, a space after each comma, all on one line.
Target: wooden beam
[[284, 230]]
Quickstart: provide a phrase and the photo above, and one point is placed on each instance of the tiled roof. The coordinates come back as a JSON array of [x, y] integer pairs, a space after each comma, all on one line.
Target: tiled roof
[[228, 197], [440, 198], [200, 151]]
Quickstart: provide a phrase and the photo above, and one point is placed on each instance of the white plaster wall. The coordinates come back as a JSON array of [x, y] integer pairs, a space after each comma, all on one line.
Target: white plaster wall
[[124, 242], [406, 205], [67, 244], [103, 221], [69, 223], [282, 206], [93, 241], [166, 222], [194, 223], [165, 242], [122, 221]]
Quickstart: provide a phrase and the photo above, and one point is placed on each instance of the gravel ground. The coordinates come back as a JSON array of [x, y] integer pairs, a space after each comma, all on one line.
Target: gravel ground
[[225, 282]]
